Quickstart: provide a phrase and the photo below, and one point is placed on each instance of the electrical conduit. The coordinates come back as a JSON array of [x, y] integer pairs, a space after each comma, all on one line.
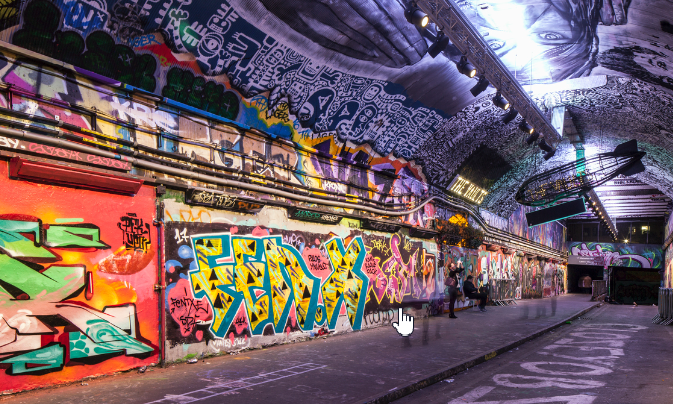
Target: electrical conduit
[[22, 134]]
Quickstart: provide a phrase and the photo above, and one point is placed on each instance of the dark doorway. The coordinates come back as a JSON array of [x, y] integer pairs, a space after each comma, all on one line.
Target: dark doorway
[[575, 272], [640, 285]]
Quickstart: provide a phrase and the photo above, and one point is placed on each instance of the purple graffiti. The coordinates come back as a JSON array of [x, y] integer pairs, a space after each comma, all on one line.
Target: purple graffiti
[[609, 256]]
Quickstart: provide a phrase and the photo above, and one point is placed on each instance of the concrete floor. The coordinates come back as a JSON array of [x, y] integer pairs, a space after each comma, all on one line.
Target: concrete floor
[[573, 365], [354, 367]]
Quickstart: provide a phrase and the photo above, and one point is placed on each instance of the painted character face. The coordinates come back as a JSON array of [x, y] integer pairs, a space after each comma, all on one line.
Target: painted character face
[[533, 36], [372, 92]]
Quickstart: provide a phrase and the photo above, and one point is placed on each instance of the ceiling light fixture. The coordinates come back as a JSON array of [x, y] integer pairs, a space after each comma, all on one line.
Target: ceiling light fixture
[[532, 138], [509, 116], [466, 68], [525, 127], [480, 87], [415, 16], [439, 45], [544, 146], [549, 155], [500, 101]]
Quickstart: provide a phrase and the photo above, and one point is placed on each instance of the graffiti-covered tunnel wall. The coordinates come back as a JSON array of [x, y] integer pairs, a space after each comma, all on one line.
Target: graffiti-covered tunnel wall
[[667, 281], [509, 275], [97, 280], [77, 270], [236, 281]]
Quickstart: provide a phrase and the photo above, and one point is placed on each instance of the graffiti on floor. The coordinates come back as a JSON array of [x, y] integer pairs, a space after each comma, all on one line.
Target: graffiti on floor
[[580, 364], [231, 386], [233, 282], [48, 301]]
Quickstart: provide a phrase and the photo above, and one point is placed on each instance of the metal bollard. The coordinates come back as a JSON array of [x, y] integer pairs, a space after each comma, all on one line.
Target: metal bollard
[[669, 307], [665, 313], [665, 309], [664, 306], [657, 318]]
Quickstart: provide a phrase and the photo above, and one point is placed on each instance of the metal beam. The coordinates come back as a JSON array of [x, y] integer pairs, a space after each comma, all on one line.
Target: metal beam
[[634, 203], [450, 19], [629, 192], [621, 206], [626, 181], [609, 185], [635, 212], [640, 216], [647, 197], [638, 205], [654, 208], [631, 212], [643, 214]]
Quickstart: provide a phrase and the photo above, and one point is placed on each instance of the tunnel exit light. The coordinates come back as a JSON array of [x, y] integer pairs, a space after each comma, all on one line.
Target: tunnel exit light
[[464, 188]]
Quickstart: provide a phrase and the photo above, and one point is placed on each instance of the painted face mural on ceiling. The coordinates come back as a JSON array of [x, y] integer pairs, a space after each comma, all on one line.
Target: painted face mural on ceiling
[[540, 41], [544, 41]]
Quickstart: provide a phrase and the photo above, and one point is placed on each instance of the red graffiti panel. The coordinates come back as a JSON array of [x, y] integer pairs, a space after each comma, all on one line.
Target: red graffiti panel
[[77, 270]]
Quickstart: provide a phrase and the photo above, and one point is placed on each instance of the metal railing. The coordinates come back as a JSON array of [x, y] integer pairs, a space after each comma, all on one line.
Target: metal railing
[[598, 288], [502, 292], [665, 315]]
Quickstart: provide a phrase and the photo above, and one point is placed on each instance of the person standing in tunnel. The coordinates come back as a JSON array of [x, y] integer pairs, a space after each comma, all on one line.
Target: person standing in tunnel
[[452, 283]]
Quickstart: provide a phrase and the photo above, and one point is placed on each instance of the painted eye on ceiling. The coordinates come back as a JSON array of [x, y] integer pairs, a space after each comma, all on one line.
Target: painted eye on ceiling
[[496, 44], [550, 36]]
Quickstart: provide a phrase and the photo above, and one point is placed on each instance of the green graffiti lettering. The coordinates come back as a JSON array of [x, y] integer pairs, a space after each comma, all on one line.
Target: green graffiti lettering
[[81, 236], [183, 86], [31, 294], [50, 357], [101, 338]]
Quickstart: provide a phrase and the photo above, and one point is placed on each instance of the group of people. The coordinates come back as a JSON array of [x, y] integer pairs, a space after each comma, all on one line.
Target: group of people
[[469, 289]]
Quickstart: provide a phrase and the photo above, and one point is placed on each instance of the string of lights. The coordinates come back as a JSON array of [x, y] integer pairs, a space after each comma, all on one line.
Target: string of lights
[[601, 213]]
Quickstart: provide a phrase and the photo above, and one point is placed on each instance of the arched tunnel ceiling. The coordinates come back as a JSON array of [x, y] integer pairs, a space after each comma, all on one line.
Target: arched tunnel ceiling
[[540, 41], [356, 70], [620, 110]]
